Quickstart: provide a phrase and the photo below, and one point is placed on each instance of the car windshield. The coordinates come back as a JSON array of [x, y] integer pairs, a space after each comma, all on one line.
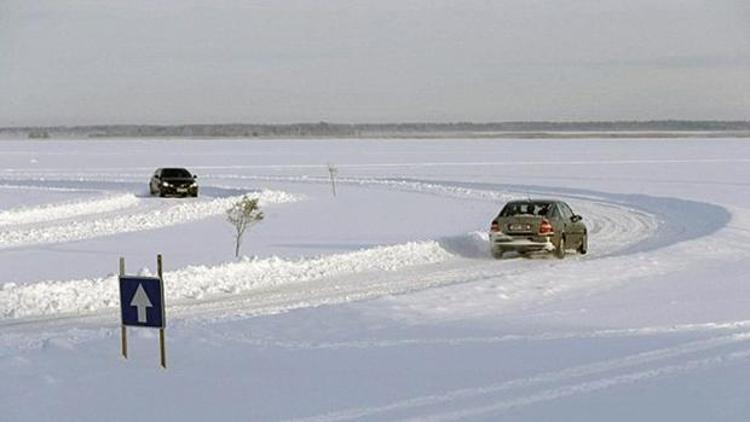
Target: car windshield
[[182, 173], [526, 208]]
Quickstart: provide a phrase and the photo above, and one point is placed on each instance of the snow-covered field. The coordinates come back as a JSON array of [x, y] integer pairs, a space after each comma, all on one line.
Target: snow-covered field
[[381, 303]]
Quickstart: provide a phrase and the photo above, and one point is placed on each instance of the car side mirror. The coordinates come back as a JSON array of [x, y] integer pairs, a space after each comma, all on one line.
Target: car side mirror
[[195, 176], [576, 218]]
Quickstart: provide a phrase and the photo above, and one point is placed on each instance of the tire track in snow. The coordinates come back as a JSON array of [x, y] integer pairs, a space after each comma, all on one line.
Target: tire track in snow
[[42, 187], [677, 220], [590, 386], [507, 338], [552, 377], [613, 227]]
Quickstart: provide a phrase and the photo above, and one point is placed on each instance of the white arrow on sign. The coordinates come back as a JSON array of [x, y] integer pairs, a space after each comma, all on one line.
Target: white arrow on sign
[[140, 301]]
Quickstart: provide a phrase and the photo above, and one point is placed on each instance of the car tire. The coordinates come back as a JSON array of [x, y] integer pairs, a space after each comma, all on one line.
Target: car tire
[[498, 254], [161, 193], [584, 248], [560, 251]]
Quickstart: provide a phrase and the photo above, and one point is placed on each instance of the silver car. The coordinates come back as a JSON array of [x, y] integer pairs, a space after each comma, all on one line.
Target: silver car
[[538, 226]]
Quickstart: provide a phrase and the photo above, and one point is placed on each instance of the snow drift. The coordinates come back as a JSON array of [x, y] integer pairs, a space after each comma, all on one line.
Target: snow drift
[[126, 223], [196, 282]]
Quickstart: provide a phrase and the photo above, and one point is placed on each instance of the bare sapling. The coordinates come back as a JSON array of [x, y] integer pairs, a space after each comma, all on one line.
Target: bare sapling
[[332, 170], [244, 214]]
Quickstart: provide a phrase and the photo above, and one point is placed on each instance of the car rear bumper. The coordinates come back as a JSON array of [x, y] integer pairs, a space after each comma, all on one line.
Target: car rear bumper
[[179, 191], [528, 243]]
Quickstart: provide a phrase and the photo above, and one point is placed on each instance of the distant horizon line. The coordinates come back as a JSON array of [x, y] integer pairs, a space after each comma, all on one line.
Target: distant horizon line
[[380, 124]]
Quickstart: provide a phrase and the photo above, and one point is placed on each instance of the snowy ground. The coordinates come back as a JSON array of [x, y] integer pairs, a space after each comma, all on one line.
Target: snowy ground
[[381, 303]]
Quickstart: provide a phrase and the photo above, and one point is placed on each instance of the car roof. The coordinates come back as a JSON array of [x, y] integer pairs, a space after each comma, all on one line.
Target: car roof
[[536, 201]]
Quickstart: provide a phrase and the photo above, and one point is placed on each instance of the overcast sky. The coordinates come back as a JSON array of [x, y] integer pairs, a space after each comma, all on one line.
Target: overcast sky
[[179, 61]]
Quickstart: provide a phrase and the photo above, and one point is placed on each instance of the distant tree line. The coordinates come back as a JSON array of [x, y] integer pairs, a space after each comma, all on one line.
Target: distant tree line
[[368, 130], [38, 134]]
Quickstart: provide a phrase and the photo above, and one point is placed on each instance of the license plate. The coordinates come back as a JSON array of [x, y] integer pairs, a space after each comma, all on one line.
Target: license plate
[[519, 227], [181, 190]]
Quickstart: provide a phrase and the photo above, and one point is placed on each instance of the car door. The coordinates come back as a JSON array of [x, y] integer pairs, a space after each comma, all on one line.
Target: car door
[[155, 181], [558, 222], [574, 228]]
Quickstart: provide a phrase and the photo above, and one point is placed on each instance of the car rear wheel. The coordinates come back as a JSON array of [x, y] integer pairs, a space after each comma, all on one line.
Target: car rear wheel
[[560, 251], [584, 248], [498, 254]]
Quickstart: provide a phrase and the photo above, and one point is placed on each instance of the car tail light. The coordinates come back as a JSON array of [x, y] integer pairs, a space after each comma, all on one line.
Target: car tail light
[[546, 227], [495, 227]]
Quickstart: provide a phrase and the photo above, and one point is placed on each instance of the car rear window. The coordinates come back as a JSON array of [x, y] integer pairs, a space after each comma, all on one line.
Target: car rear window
[[175, 173], [526, 208]]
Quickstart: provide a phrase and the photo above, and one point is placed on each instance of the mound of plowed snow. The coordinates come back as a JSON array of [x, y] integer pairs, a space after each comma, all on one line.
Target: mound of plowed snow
[[88, 295], [126, 223], [51, 212]]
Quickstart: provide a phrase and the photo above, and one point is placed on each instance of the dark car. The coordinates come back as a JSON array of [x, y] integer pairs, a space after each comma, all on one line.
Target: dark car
[[538, 226], [173, 181]]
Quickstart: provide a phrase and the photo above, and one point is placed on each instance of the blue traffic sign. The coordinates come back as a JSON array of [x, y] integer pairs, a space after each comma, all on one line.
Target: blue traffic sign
[[142, 301]]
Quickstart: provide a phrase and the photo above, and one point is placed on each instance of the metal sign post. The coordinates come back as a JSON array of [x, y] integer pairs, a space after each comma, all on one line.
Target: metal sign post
[[142, 305], [123, 328], [162, 346]]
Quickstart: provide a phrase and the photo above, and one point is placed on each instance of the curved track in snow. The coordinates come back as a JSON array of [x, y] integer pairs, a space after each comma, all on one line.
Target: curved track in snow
[[619, 225], [117, 224]]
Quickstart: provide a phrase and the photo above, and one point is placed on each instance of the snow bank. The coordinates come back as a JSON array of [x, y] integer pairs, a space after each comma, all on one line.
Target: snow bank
[[86, 229], [53, 212], [195, 282]]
